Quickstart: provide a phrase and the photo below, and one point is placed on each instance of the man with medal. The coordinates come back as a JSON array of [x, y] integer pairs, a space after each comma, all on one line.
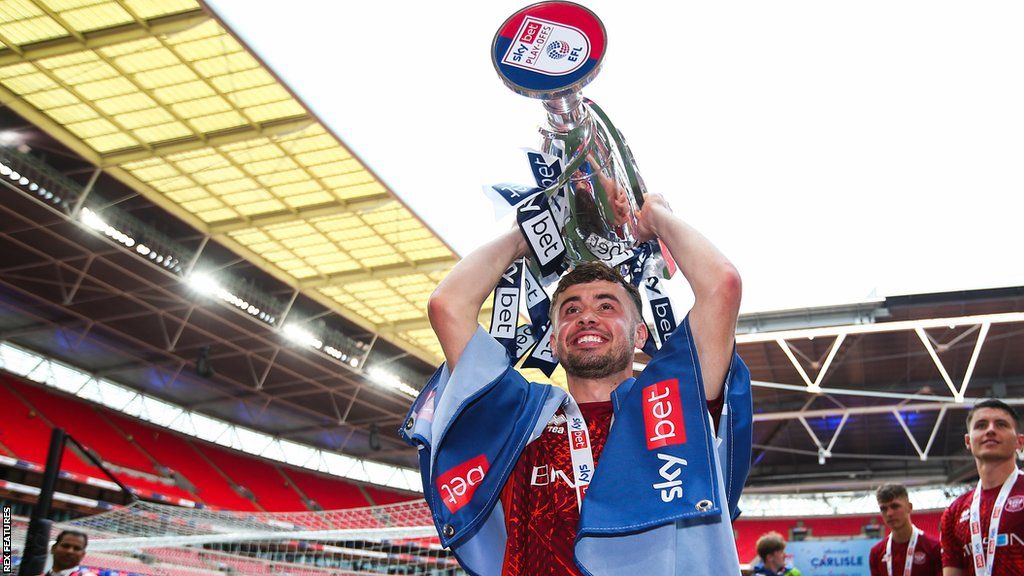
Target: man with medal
[[983, 530], [907, 550]]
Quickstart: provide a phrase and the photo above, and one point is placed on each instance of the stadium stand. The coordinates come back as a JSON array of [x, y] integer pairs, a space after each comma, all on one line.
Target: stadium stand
[[141, 453], [380, 496], [273, 492], [176, 453], [27, 434], [329, 494], [82, 422]]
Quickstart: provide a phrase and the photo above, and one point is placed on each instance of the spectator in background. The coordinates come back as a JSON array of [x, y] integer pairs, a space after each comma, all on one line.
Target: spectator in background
[[907, 550], [771, 547], [68, 552]]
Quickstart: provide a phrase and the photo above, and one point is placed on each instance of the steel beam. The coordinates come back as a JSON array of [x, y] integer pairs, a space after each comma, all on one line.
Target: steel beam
[[883, 409], [163, 25], [276, 127], [382, 272], [333, 208]]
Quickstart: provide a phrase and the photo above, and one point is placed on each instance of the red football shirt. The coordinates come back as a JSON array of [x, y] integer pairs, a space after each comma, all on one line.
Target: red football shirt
[[927, 557], [539, 498], [956, 531]]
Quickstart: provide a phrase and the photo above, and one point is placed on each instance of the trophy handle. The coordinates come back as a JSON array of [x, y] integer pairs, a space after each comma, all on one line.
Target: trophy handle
[[635, 183]]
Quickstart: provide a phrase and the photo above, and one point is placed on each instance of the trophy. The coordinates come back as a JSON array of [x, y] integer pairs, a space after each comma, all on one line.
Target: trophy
[[584, 207], [550, 51]]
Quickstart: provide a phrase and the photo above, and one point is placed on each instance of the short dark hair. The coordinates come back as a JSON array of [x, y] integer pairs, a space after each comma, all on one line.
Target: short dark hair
[[84, 536], [998, 405], [769, 544], [588, 272], [890, 492]]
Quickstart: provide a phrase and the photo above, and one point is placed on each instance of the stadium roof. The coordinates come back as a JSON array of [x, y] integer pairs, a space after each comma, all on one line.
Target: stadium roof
[[158, 94]]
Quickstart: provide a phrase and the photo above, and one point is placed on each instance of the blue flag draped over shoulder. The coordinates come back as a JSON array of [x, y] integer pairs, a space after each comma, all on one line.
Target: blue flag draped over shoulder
[[665, 487]]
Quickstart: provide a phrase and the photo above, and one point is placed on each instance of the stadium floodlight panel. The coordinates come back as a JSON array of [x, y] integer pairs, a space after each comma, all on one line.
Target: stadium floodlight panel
[[386, 379], [302, 336]]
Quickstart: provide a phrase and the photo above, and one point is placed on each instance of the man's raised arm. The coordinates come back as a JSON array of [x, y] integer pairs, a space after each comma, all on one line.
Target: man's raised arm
[[454, 307], [715, 282]]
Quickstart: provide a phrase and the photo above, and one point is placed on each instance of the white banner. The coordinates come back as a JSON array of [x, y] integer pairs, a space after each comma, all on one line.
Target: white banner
[[831, 557]]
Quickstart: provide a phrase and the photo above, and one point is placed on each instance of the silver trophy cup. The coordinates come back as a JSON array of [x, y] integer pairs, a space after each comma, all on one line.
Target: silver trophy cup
[[550, 51]]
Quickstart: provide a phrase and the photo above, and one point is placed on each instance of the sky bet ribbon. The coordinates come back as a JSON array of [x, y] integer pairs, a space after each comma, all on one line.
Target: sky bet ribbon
[[647, 268], [543, 234], [542, 357], [505, 315], [505, 196], [538, 304], [661, 306]]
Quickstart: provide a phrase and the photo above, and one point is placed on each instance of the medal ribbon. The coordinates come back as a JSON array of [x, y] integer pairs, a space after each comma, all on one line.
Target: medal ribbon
[[908, 565], [579, 449], [985, 559]]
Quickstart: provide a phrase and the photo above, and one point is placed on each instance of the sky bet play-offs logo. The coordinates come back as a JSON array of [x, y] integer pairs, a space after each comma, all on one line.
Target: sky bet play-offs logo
[[547, 47]]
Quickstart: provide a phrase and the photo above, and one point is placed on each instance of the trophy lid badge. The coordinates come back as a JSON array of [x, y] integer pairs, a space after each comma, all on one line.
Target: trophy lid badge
[[550, 49]]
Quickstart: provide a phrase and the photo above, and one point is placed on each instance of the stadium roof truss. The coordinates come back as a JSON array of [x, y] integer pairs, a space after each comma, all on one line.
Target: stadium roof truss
[[868, 389], [158, 94], [977, 326]]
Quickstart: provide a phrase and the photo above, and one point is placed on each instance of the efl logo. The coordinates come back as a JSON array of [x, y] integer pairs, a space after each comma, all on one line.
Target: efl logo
[[458, 484], [579, 439], [663, 414]]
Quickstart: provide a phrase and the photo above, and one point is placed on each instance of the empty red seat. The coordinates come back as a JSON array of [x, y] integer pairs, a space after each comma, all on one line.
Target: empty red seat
[[329, 493], [272, 490], [176, 453]]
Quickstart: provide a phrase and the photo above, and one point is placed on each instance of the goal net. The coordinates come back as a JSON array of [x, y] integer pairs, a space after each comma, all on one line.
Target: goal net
[[161, 540]]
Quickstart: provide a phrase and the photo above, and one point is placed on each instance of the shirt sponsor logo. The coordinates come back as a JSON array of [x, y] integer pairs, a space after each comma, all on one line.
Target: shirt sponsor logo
[[545, 475], [458, 484], [547, 47], [1004, 539], [663, 414]]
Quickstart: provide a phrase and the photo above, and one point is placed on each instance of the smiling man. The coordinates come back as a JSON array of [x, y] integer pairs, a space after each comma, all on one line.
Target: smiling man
[[907, 550], [68, 551], [983, 530], [511, 499]]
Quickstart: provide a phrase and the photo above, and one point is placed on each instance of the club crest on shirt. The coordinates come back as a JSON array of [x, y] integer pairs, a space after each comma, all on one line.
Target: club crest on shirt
[[965, 515], [919, 557], [1015, 504]]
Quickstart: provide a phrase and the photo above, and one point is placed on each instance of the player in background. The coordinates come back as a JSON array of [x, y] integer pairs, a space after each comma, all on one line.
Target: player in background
[[907, 550], [983, 530]]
